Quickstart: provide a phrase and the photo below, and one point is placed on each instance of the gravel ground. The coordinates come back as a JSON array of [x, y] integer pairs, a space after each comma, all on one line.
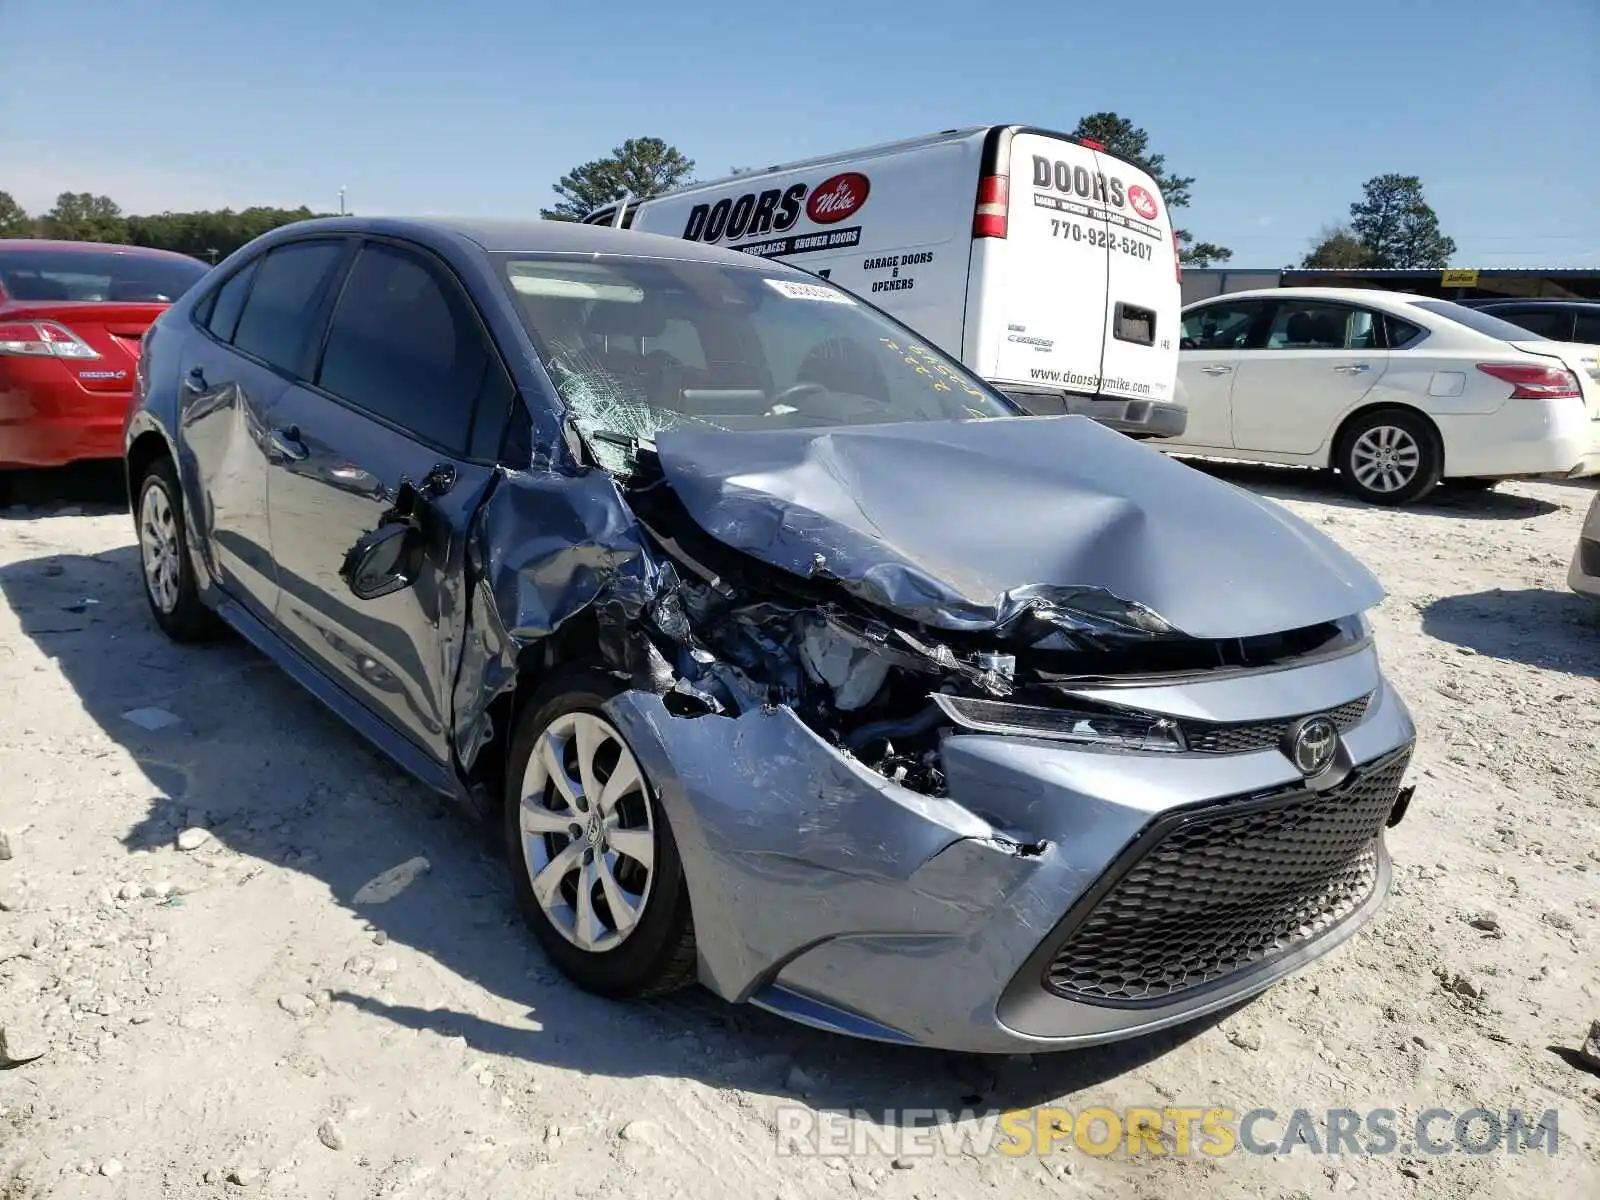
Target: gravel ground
[[229, 1018]]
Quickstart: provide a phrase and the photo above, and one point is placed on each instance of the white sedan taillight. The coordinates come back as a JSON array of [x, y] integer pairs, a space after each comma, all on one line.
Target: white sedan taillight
[[44, 339], [1529, 382]]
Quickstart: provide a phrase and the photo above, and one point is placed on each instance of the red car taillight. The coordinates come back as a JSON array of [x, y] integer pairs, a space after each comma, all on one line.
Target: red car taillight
[[994, 201], [43, 339], [1535, 383]]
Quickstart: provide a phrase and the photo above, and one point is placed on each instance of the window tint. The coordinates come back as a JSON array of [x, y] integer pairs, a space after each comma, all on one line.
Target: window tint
[[1221, 326], [1588, 328], [1312, 325], [90, 274], [276, 323], [407, 349], [1401, 333], [1550, 323], [228, 301]]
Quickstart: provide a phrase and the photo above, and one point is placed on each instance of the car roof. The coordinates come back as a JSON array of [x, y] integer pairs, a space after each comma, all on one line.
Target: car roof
[[532, 237], [31, 244], [1372, 297]]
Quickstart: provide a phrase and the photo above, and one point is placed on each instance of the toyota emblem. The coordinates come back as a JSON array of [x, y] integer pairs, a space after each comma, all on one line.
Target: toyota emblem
[[1312, 745]]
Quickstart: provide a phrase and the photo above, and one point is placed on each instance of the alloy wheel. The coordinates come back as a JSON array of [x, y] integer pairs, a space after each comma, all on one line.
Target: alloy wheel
[[588, 831], [158, 547], [1385, 458]]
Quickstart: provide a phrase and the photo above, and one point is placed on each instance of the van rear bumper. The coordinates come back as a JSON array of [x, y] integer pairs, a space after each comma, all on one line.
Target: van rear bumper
[[1136, 418]]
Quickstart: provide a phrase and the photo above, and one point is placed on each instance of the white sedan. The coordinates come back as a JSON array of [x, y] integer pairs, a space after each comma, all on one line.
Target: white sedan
[[1394, 391]]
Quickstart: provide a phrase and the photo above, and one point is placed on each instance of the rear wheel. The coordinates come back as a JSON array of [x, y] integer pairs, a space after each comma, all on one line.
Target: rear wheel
[[593, 860], [1390, 456], [168, 575]]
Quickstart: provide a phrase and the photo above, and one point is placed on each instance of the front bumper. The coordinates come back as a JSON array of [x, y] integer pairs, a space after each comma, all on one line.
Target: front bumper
[[1584, 573], [827, 893]]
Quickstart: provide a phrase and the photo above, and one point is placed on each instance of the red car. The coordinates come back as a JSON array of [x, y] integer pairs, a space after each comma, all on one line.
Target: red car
[[71, 316]]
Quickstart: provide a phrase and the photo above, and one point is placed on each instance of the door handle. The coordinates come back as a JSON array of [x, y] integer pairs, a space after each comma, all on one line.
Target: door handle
[[1352, 368], [195, 380], [286, 444], [1216, 369]]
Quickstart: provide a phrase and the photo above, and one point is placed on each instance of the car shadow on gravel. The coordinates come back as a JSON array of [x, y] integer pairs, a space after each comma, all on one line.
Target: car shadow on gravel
[[1324, 487], [1558, 631], [279, 780], [82, 488]]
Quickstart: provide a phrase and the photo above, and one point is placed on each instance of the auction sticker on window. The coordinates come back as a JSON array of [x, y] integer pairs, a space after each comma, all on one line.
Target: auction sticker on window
[[808, 291]]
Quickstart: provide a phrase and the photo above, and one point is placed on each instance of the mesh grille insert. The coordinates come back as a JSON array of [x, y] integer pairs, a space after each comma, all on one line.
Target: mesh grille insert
[[1242, 739], [1222, 889]]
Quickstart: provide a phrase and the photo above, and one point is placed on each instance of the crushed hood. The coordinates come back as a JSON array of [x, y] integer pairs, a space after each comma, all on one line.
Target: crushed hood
[[964, 524]]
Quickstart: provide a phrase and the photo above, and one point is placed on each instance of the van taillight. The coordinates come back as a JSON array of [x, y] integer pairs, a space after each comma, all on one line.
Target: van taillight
[[1092, 144], [994, 198], [1177, 256]]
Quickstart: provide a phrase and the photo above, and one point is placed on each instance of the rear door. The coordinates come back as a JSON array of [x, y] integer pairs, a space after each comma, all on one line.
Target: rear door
[[254, 332], [1143, 292], [1044, 285], [1318, 360], [408, 386]]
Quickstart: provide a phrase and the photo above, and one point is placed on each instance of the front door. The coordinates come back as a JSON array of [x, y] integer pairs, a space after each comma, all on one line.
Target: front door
[[404, 367], [1209, 353], [1318, 361]]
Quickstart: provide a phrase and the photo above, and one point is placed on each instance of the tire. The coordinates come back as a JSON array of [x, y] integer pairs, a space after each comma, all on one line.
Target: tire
[[164, 566], [1390, 456], [655, 953], [1472, 483]]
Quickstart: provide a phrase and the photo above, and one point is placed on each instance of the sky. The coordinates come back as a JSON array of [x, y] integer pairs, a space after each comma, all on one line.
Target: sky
[[1280, 110]]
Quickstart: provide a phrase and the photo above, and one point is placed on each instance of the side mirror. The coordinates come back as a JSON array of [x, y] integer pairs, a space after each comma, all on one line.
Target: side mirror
[[384, 561]]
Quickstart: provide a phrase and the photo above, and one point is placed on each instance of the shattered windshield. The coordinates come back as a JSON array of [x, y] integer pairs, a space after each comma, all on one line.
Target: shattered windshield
[[636, 346]]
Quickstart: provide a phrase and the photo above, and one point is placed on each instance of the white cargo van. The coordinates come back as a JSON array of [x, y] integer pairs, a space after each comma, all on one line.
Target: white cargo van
[[1047, 265]]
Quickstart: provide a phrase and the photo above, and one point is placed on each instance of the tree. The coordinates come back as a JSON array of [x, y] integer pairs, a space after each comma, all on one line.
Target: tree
[[14, 222], [80, 217], [1336, 247], [639, 168], [210, 235], [1124, 139], [1397, 226]]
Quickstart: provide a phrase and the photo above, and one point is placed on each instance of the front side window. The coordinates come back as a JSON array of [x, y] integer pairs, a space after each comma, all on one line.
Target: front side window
[[404, 347], [276, 323], [636, 346], [1225, 325], [1312, 325]]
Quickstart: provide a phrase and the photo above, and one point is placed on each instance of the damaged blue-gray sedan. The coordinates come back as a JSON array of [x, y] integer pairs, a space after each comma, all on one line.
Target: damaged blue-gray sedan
[[792, 658]]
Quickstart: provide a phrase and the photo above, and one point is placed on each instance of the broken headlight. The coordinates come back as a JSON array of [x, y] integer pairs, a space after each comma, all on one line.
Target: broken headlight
[[1127, 730]]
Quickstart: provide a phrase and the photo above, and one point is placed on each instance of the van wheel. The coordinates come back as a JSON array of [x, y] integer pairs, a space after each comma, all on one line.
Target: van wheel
[[164, 566], [593, 861], [1390, 456]]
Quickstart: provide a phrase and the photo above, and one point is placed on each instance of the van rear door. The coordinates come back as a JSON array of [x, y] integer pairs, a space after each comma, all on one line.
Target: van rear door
[[1143, 291], [1087, 283]]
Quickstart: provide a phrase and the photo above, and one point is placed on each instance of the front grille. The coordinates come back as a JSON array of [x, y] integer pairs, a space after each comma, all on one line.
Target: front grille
[[1208, 893], [1261, 735]]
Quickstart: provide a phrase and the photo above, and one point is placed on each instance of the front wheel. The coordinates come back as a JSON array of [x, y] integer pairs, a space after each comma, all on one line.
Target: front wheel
[[1390, 457], [593, 860]]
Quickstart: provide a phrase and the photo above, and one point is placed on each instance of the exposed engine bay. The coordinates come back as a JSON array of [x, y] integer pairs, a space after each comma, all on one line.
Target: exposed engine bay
[[730, 633]]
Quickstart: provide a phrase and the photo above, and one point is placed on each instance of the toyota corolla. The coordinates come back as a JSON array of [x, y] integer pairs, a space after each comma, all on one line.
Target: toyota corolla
[[791, 658]]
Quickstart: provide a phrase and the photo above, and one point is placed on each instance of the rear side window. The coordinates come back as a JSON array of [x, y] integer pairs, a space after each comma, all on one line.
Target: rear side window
[[1225, 325], [1401, 333], [1313, 325], [276, 323], [1587, 328], [228, 302], [405, 346]]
